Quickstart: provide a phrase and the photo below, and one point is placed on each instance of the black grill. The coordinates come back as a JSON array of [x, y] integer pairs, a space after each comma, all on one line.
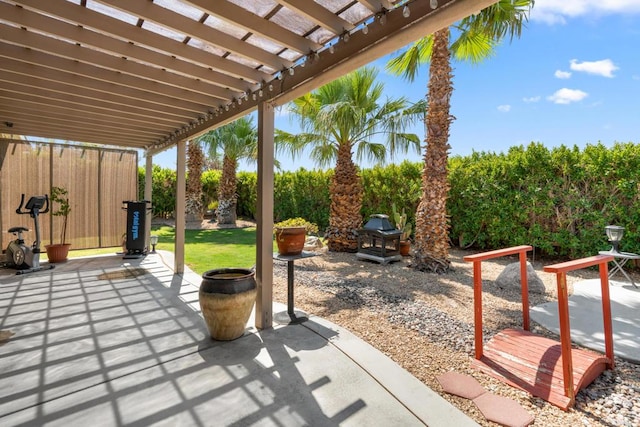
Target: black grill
[[379, 241]]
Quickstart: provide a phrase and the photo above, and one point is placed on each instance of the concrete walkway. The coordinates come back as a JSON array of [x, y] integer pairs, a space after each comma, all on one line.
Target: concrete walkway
[[585, 317], [107, 341]]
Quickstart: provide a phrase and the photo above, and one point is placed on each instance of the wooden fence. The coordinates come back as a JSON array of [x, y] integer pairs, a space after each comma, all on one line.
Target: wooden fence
[[97, 179]]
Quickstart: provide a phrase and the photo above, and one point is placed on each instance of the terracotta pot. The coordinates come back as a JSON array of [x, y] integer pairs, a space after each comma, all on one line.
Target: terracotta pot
[[405, 246], [290, 240], [58, 252], [226, 297]]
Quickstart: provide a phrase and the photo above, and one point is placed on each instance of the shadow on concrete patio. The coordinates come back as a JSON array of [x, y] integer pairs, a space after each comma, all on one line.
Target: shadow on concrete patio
[[121, 342]]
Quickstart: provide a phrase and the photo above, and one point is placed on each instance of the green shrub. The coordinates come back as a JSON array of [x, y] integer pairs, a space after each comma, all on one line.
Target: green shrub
[[163, 190], [297, 222], [558, 200], [304, 194], [389, 185], [210, 182], [247, 195]]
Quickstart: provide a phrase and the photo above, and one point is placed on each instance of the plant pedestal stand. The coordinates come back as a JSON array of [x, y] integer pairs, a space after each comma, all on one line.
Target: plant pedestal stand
[[291, 316]]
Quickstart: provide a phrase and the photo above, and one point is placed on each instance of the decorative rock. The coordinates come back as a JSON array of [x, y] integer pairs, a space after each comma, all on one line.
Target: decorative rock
[[510, 277], [312, 243]]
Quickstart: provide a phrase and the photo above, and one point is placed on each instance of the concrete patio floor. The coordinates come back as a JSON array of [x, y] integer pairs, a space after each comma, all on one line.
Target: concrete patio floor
[[585, 317], [107, 341]]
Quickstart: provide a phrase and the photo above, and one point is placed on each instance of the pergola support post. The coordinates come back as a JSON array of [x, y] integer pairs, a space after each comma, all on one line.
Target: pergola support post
[[264, 238], [181, 168], [148, 183]]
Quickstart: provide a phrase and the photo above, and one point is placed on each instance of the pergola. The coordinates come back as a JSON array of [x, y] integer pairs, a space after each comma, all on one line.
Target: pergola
[[152, 74]]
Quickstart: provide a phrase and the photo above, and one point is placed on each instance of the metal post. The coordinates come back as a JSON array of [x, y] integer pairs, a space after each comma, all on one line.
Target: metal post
[[290, 306]]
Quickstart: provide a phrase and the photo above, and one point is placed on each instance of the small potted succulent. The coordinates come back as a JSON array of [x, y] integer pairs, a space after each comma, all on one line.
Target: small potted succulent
[[405, 228], [291, 234], [58, 252]]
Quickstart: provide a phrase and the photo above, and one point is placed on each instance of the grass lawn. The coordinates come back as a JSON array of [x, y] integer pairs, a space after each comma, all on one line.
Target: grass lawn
[[204, 249]]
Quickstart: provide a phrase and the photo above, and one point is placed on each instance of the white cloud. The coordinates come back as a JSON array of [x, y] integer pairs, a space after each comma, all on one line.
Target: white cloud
[[567, 96], [604, 67], [531, 99], [504, 108], [562, 74], [556, 12]]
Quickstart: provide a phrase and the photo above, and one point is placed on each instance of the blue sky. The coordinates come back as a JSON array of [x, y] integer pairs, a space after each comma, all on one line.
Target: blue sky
[[573, 78]]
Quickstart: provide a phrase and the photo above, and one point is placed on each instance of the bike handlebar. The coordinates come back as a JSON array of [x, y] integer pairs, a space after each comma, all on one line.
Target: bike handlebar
[[46, 204], [34, 203], [19, 210]]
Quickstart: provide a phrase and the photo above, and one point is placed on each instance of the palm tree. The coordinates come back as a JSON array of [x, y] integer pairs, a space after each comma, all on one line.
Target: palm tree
[[195, 164], [234, 141], [476, 38], [339, 118]]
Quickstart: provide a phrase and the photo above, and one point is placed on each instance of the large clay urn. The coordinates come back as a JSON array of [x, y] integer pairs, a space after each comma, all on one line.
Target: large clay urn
[[226, 297]]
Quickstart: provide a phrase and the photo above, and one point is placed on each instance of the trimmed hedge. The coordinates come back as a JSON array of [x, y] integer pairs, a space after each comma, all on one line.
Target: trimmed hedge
[[163, 189], [303, 194], [558, 200], [384, 186]]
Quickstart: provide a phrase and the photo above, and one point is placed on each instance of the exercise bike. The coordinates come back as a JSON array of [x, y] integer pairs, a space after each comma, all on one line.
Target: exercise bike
[[23, 258]]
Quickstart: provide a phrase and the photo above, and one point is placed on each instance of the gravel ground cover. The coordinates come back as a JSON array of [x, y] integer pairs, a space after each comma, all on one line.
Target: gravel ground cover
[[424, 322]]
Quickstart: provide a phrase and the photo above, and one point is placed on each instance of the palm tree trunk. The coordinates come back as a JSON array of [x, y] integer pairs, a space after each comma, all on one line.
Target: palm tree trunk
[[195, 164], [226, 212], [346, 202], [432, 224]]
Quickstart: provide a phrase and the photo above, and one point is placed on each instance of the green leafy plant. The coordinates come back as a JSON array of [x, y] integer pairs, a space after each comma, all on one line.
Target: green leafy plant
[[59, 196], [401, 222], [297, 222]]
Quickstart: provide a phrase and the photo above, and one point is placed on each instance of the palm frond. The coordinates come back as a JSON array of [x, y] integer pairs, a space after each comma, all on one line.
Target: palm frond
[[348, 112], [236, 140], [407, 64]]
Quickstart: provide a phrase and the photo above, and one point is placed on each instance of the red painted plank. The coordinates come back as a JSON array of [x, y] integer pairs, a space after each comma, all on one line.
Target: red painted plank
[[551, 394], [533, 363], [497, 253], [510, 340], [545, 370], [577, 264]]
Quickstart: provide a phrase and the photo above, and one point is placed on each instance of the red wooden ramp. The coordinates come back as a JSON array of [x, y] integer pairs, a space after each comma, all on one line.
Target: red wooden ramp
[[534, 364], [543, 367]]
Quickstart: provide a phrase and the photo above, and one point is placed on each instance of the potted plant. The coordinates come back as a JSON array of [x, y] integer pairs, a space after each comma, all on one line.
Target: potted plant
[[58, 252], [405, 227], [291, 234]]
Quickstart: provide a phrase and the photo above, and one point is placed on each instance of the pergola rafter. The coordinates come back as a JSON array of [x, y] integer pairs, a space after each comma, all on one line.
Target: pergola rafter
[[166, 70]]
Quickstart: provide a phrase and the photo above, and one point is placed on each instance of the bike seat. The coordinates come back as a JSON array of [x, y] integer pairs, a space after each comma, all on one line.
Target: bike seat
[[18, 229]]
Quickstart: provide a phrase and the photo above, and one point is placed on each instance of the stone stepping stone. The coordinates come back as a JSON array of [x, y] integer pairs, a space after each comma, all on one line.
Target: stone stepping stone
[[498, 409]]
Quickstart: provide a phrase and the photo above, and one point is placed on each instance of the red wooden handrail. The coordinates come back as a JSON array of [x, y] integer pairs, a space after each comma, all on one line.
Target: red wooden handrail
[[483, 256], [477, 288], [561, 270], [577, 264]]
